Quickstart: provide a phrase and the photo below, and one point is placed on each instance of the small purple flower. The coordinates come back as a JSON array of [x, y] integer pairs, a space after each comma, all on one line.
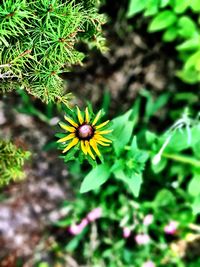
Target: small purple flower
[[148, 264], [94, 214], [126, 232], [171, 228], [78, 228], [142, 239], [148, 219]]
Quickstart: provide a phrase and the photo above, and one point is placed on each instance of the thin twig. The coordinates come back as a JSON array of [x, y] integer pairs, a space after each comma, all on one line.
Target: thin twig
[[5, 65]]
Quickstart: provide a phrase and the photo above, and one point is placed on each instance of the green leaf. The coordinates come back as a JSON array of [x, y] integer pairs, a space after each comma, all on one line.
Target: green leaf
[[193, 61], [122, 131], [164, 3], [195, 5], [153, 105], [163, 20], [196, 205], [170, 34], [134, 182], [150, 137], [189, 76], [194, 186], [188, 45], [151, 7], [186, 27], [135, 6], [95, 178], [164, 198], [180, 6]]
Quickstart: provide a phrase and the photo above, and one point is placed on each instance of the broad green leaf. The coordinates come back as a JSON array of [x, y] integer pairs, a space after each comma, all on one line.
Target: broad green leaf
[[190, 76], [150, 137], [122, 131], [134, 182], [193, 61], [153, 106], [95, 178], [164, 3], [196, 205], [162, 21], [189, 45], [196, 149], [164, 198], [180, 6], [151, 7], [181, 139], [170, 34], [195, 5], [194, 186], [186, 27], [135, 6]]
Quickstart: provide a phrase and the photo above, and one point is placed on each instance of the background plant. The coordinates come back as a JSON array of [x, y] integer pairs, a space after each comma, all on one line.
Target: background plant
[[179, 22], [12, 160], [159, 176]]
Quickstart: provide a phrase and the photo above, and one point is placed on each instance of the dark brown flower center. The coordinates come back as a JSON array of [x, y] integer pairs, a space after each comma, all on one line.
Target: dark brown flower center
[[85, 132]]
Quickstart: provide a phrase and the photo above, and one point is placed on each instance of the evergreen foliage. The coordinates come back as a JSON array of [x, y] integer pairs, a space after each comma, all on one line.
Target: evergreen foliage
[[38, 42], [11, 162]]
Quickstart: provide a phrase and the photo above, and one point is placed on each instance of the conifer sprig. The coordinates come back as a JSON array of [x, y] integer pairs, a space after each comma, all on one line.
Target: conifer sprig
[[38, 41], [12, 160]]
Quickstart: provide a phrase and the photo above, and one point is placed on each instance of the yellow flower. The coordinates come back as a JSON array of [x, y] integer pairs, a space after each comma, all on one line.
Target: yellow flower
[[87, 132]]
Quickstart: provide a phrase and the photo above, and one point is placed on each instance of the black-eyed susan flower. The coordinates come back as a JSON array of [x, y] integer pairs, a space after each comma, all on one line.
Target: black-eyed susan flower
[[86, 132]]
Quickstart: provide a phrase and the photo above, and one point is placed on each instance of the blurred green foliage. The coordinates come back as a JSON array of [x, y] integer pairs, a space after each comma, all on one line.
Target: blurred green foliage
[[179, 22], [12, 160]]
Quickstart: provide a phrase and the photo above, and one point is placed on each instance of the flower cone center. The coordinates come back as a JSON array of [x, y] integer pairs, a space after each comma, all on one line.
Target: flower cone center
[[85, 131]]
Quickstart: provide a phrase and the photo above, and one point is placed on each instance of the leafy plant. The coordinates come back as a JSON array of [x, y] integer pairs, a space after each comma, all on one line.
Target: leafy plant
[[143, 201], [179, 22]]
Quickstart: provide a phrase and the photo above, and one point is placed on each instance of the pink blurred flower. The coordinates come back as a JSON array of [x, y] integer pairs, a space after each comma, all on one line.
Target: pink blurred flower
[[94, 214], [148, 219], [148, 264], [171, 228], [126, 232], [142, 239], [78, 228]]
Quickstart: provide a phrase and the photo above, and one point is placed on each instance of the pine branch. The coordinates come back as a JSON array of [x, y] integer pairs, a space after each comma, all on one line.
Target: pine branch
[[11, 162], [38, 41]]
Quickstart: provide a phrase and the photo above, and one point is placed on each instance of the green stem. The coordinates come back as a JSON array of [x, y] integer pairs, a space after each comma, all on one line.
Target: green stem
[[183, 159]]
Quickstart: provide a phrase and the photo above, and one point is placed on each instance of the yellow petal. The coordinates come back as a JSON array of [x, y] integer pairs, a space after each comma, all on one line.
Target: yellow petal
[[101, 138], [71, 144], [66, 138], [67, 128], [87, 117], [94, 146], [80, 118], [83, 147], [104, 132], [96, 118], [102, 143], [71, 122], [102, 124], [89, 150]]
